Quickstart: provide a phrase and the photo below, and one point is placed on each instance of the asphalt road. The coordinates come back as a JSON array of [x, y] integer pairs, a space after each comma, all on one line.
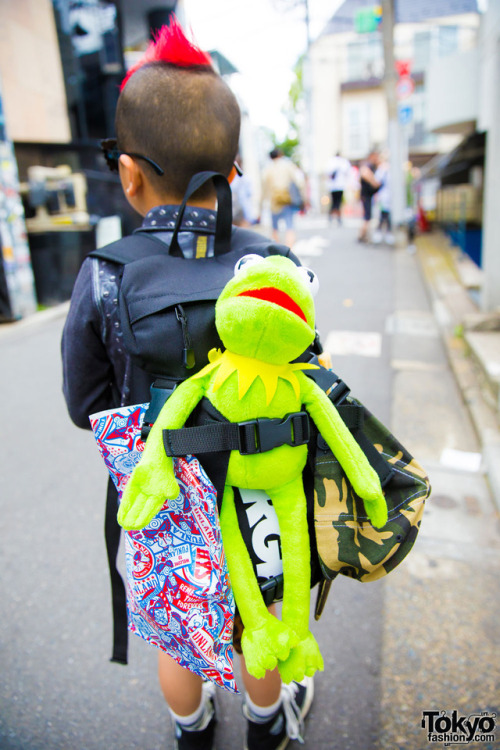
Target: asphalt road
[[392, 648]]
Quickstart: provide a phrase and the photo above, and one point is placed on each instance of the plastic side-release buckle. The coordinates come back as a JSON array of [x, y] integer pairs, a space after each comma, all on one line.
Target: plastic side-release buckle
[[159, 395], [272, 589], [262, 435]]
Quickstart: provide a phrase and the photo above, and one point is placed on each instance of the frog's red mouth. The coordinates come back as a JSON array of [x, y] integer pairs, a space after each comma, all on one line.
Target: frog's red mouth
[[278, 297]]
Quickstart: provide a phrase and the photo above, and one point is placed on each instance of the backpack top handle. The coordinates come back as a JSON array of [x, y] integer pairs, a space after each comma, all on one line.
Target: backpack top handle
[[223, 226]]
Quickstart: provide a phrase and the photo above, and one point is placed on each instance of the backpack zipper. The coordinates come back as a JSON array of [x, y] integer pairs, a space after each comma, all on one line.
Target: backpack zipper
[[188, 358]]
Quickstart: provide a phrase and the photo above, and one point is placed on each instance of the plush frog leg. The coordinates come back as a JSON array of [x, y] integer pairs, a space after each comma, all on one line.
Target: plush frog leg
[[265, 639], [361, 474], [291, 508], [153, 479]]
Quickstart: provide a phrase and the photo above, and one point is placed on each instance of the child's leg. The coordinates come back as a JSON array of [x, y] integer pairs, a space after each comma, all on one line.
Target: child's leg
[[191, 706], [275, 220], [266, 691], [181, 688], [289, 216]]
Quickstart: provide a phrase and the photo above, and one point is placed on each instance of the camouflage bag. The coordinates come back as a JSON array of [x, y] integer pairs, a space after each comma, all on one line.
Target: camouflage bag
[[347, 543]]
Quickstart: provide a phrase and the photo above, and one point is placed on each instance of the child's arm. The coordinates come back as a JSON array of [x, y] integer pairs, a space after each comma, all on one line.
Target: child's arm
[[153, 479], [361, 474], [87, 370]]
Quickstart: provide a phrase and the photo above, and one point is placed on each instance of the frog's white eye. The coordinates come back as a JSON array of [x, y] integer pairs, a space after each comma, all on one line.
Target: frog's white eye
[[247, 260], [310, 279]]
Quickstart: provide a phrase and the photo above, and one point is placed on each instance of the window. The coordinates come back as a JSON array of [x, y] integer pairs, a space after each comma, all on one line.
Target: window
[[365, 59], [421, 50], [357, 137], [447, 41]]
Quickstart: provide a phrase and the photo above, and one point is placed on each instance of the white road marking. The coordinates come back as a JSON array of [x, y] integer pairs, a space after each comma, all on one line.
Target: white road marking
[[461, 460], [362, 344], [310, 247]]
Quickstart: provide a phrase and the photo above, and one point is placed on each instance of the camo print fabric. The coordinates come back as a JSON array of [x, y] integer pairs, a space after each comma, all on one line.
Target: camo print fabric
[[347, 542]]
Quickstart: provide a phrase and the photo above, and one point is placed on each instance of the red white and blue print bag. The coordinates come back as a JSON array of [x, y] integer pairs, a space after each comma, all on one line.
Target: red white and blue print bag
[[178, 592]]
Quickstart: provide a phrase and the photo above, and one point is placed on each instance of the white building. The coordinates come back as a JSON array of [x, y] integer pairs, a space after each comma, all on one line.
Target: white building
[[348, 103]]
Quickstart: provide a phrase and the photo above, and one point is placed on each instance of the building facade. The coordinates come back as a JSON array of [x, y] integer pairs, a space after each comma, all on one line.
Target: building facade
[[349, 110]]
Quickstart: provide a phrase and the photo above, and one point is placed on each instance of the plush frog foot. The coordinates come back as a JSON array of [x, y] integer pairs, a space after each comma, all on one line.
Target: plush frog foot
[[141, 501], [262, 647], [304, 660]]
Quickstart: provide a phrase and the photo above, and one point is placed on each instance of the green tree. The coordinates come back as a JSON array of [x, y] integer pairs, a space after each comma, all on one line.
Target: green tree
[[291, 143]]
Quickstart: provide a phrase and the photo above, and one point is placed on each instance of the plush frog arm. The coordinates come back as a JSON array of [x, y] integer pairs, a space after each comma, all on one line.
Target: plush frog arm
[[362, 476], [153, 479]]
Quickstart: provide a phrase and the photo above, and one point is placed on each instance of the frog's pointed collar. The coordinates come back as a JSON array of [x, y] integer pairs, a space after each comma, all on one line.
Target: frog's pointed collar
[[249, 369]]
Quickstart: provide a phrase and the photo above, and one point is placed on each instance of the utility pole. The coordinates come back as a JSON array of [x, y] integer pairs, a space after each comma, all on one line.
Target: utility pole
[[307, 79], [395, 136], [308, 145], [308, 25], [490, 293]]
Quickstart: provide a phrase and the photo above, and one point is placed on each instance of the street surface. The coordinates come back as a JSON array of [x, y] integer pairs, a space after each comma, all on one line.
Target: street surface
[[425, 638]]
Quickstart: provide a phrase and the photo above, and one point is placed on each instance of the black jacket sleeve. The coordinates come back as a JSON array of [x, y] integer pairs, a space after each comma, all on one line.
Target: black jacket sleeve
[[87, 371]]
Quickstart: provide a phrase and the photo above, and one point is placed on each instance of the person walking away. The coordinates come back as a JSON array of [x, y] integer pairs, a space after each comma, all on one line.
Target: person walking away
[[369, 186], [383, 200], [175, 117], [337, 177], [277, 181], [244, 214]]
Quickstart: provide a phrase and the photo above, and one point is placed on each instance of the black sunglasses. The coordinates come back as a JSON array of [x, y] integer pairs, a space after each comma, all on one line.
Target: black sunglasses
[[112, 153]]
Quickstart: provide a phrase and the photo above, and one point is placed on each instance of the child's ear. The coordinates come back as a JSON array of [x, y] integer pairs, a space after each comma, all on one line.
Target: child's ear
[[130, 175]]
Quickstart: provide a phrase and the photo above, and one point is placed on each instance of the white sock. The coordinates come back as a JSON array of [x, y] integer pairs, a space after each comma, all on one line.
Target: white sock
[[194, 718], [262, 713]]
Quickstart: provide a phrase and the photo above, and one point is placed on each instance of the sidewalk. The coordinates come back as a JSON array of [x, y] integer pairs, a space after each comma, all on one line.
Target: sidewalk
[[471, 340], [440, 640]]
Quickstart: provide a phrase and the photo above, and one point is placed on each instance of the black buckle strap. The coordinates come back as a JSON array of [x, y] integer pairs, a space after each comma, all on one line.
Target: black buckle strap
[[161, 390], [253, 436], [262, 435], [338, 391], [328, 381]]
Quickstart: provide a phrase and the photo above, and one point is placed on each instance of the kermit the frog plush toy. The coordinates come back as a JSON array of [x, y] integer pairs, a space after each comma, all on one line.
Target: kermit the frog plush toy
[[265, 319]]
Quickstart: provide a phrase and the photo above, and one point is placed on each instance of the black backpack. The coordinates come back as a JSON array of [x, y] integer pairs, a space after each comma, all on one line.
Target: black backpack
[[167, 302]]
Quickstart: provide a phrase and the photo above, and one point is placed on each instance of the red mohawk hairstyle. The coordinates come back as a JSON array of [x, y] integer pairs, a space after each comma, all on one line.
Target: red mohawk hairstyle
[[171, 46]]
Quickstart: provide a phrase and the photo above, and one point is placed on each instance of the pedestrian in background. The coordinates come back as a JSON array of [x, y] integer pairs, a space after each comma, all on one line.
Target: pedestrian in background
[[283, 188], [338, 174], [242, 189], [369, 186], [383, 200]]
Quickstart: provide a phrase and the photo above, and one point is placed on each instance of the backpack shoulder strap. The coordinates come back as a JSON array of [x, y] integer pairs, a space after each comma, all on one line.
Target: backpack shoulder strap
[[132, 247]]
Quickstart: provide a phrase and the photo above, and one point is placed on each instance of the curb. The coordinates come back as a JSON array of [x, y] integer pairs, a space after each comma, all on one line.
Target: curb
[[38, 318], [450, 304]]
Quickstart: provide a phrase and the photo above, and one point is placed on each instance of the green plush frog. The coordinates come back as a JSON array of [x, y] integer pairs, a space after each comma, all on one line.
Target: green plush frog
[[265, 319]]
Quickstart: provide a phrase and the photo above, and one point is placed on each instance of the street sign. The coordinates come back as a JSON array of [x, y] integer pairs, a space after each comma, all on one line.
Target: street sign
[[405, 87], [367, 20], [405, 114], [403, 67]]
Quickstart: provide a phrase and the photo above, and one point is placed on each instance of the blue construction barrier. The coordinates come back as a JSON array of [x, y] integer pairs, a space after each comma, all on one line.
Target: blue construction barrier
[[469, 240]]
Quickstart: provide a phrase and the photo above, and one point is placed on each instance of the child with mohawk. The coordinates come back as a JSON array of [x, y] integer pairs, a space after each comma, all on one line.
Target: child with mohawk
[[175, 117]]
